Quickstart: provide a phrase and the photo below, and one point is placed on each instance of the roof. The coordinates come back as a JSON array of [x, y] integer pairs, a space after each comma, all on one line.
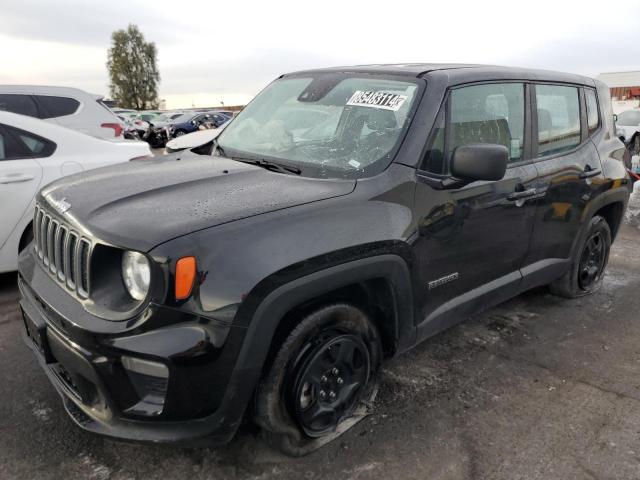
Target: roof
[[47, 90], [409, 69], [620, 79], [456, 69]]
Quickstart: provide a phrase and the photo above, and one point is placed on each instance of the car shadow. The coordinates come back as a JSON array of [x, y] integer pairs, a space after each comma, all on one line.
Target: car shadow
[[8, 283]]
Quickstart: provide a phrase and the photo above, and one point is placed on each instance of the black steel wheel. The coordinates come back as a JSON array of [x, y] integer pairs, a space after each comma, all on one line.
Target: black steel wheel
[[592, 261], [326, 379], [321, 380], [589, 259]]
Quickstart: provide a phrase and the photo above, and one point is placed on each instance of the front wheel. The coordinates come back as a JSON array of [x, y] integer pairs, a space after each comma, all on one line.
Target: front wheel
[[588, 262], [321, 379]]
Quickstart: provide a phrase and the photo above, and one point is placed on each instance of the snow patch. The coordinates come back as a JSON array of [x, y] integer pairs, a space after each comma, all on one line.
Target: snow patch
[[632, 214], [40, 411], [356, 472], [96, 470]]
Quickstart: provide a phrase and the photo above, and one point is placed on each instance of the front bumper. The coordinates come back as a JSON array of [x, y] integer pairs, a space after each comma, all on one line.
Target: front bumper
[[206, 393]]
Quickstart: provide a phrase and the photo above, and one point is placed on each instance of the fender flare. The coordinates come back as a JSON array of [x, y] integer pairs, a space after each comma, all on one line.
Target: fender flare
[[275, 305], [258, 338], [616, 195]]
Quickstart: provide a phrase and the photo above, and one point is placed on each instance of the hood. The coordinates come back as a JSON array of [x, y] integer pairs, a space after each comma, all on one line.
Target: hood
[[141, 204], [192, 140]]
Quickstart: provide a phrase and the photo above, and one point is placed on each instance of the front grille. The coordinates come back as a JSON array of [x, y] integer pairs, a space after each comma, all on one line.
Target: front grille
[[63, 252]]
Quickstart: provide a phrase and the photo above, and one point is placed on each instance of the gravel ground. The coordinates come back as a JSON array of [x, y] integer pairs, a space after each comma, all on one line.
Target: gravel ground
[[536, 388]]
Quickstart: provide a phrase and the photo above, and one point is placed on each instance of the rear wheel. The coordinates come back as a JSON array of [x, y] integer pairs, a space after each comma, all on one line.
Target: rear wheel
[[179, 133], [588, 263], [321, 379]]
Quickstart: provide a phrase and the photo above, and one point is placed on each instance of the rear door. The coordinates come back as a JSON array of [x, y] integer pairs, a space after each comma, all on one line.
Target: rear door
[[473, 240], [570, 175], [20, 177]]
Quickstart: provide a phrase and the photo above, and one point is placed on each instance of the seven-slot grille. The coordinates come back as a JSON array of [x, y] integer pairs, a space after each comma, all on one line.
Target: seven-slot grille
[[63, 252]]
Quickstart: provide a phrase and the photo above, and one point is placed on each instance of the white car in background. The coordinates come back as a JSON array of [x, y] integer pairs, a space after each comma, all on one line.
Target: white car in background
[[628, 129], [33, 153], [199, 142], [70, 107]]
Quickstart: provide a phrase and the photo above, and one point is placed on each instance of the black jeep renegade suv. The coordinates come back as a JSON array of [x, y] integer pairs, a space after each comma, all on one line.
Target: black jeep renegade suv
[[344, 216]]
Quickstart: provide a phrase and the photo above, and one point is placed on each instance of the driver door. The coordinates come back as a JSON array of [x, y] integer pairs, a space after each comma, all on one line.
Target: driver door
[[472, 240]]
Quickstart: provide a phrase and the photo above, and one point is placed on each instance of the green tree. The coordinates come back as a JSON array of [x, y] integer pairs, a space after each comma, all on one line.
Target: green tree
[[133, 72]]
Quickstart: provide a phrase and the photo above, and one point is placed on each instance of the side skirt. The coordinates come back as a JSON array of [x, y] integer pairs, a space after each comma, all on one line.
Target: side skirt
[[491, 294]]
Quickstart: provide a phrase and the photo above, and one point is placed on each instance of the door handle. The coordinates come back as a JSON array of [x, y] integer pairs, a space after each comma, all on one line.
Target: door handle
[[530, 192], [16, 178], [590, 173]]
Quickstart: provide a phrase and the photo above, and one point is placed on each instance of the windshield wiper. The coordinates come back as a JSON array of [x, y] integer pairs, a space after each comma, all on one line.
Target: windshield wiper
[[270, 165]]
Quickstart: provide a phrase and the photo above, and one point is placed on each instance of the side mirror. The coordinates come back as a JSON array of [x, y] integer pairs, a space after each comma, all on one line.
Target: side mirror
[[481, 161]]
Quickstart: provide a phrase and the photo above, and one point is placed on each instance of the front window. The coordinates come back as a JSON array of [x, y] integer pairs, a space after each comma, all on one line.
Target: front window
[[328, 125], [487, 113]]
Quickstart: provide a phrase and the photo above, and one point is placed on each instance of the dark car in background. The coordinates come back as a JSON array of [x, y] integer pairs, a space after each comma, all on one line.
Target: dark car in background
[[190, 122], [169, 300]]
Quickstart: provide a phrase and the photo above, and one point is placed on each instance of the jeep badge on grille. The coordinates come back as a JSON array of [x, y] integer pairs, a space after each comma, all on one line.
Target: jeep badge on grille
[[61, 206]]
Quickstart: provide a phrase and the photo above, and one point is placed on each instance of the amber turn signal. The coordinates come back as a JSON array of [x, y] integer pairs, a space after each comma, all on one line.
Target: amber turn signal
[[185, 276]]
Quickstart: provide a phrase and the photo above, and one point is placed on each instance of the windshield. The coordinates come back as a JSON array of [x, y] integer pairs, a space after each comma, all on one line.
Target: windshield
[[328, 125], [629, 118]]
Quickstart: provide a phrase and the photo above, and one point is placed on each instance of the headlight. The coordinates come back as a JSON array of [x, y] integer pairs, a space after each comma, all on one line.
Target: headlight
[[136, 274]]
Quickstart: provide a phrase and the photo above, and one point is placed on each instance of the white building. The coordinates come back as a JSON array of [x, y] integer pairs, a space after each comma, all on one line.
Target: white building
[[624, 87]]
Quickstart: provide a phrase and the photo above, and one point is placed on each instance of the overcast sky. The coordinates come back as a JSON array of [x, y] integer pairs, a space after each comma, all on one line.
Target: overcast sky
[[210, 52]]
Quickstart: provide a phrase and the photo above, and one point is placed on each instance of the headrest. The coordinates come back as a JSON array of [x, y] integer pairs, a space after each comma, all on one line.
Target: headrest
[[379, 119], [544, 120]]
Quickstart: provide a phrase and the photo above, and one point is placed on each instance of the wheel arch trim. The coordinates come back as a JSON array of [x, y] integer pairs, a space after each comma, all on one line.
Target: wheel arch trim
[[276, 304]]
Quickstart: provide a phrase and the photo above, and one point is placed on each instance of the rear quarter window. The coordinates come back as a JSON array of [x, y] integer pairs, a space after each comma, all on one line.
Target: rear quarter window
[[19, 103], [32, 145], [53, 107], [593, 115]]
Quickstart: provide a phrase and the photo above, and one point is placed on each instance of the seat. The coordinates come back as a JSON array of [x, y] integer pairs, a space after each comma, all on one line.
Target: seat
[[483, 131]]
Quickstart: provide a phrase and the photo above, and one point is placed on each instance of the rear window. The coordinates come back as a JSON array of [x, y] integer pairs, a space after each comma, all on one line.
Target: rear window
[[558, 118], [21, 104], [9, 149], [57, 106], [16, 143]]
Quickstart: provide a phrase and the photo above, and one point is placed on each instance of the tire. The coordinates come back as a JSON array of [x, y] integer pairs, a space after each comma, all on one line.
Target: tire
[[322, 380], [588, 262], [635, 145], [179, 133], [27, 238]]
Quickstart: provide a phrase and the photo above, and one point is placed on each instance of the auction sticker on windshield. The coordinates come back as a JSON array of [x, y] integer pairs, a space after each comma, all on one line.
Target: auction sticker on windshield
[[383, 100]]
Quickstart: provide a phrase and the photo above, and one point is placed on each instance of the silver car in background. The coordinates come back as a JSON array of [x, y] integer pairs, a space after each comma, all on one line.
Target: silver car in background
[[65, 106]]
